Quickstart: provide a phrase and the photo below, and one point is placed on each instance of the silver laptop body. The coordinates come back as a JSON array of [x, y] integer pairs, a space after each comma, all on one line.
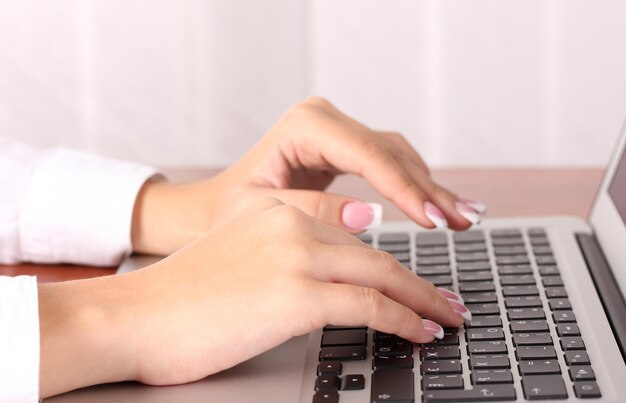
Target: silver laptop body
[[591, 260]]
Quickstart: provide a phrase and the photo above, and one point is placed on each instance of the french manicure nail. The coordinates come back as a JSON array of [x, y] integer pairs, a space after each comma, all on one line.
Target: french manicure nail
[[435, 215], [460, 309], [433, 328], [362, 215], [467, 212], [479, 207], [450, 295]]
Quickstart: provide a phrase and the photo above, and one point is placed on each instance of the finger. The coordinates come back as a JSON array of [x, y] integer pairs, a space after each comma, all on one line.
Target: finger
[[458, 214], [347, 213], [343, 304], [403, 146], [379, 270]]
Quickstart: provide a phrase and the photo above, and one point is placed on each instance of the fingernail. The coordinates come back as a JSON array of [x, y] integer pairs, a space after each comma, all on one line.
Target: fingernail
[[362, 215], [467, 212], [479, 207], [435, 215], [460, 309], [450, 295], [431, 327]]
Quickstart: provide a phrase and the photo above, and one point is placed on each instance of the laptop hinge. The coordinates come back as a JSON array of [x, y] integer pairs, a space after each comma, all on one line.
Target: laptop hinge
[[608, 290]]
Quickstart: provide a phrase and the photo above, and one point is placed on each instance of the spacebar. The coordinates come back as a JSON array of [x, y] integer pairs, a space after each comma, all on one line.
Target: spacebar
[[478, 394]]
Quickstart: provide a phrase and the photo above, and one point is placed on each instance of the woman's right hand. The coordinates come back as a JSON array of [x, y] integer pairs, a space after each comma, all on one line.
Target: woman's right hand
[[250, 284]]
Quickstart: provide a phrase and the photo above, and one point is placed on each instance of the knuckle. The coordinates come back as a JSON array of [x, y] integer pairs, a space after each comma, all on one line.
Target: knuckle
[[378, 151], [386, 261], [371, 301]]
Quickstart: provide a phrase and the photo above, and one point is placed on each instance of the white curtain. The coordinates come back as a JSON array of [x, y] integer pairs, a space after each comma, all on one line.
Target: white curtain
[[192, 82]]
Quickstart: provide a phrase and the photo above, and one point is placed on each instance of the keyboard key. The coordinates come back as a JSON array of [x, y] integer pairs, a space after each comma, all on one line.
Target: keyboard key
[[486, 333], [582, 373], [563, 316], [559, 303], [442, 367], [576, 358], [430, 382], [509, 250], [432, 251], [535, 232], [393, 347], [475, 276], [525, 313], [510, 260], [448, 339], [487, 347], [383, 337], [532, 339], [543, 250], [549, 271], [472, 257], [328, 396], [432, 260], [541, 387], [508, 270], [440, 352], [484, 321], [433, 270], [342, 353], [470, 247], [519, 290], [439, 280], [523, 279], [490, 376], [552, 281], [393, 385], [535, 352], [545, 260], [390, 361], [572, 343], [539, 241], [486, 393], [329, 368], [344, 338], [393, 237], [528, 326], [353, 382], [530, 301], [478, 286], [489, 361], [327, 382], [538, 367], [479, 297], [335, 327], [483, 309], [586, 390], [506, 233], [567, 329], [473, 266], [402, 256], [555, 292], [471, 236], [432, 238], [507, 242]]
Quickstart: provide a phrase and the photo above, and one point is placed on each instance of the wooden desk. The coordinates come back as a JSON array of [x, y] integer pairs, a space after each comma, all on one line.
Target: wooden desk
[[506, 192]]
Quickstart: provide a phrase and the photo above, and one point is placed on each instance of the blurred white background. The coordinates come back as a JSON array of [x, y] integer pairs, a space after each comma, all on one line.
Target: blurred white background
[[181, 83]]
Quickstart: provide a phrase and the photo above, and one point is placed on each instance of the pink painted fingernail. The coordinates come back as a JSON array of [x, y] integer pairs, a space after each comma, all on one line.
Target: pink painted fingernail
[[479, 207], [450, 295], [362, 215], [435, 215], [467, 212], [460, 309], [433, 328]]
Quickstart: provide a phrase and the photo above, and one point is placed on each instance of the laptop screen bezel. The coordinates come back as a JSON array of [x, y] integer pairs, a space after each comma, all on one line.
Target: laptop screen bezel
[[608, 226]]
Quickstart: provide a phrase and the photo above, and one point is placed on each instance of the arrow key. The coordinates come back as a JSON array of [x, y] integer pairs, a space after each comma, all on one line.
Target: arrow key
[[542, 387]]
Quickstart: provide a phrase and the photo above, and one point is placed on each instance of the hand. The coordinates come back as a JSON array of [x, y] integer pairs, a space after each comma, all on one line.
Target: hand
[[294, 162], [252, 283]]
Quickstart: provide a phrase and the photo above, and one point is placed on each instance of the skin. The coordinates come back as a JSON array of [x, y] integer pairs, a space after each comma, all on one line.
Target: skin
[[258, 255]]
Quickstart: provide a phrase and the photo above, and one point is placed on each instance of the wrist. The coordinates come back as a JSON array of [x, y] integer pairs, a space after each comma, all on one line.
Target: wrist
[[83, 335]]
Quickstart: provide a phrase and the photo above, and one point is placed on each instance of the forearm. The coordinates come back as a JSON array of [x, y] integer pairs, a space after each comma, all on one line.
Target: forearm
[[168, 216], [84, 333]]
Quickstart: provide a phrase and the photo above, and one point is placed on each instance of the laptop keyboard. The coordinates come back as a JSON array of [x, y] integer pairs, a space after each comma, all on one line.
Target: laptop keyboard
[[522, 323]]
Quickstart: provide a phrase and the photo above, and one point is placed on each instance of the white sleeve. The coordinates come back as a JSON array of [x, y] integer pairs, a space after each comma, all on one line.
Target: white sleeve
[[19, 340], [62, 205]]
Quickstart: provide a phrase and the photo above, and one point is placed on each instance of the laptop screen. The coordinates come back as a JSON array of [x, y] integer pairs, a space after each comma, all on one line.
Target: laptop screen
[[617, 188]]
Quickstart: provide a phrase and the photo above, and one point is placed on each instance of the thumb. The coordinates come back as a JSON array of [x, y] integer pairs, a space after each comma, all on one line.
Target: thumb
[[348, 213]]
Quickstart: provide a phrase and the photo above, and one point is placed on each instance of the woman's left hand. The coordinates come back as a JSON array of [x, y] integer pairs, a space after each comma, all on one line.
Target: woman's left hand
[[295, 162]]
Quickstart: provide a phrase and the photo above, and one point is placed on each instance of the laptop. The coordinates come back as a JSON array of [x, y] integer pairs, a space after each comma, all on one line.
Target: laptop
[[549, 322]]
